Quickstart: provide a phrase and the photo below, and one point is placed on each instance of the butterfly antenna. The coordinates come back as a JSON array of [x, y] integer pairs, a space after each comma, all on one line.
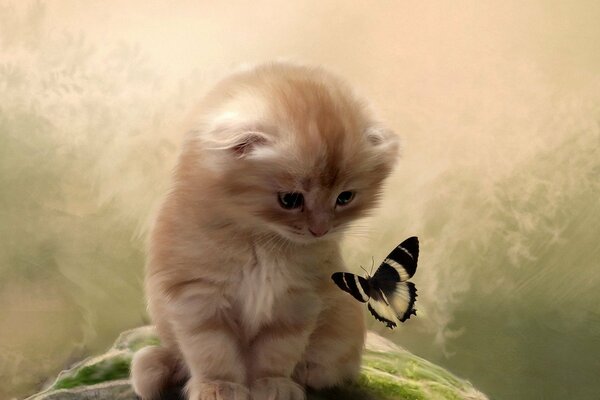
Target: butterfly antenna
[[365, 271], [372, 263]]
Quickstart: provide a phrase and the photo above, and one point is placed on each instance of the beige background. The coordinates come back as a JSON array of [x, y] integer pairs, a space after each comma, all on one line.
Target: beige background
[[498, 106]]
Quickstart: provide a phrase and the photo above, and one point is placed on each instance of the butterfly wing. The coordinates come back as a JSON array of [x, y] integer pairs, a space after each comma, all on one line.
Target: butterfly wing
[[403, 300], [403, 259], [356, 285], [382, 312], [392, 298]]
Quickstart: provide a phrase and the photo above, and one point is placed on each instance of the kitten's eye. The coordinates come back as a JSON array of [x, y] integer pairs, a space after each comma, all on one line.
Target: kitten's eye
[[290, 200], [344, 198]]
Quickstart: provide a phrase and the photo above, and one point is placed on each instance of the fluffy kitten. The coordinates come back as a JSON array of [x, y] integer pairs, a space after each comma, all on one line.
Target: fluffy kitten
[[282, 158]]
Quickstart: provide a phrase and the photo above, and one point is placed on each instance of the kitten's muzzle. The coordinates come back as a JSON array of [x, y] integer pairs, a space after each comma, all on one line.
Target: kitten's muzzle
[[318, 231]]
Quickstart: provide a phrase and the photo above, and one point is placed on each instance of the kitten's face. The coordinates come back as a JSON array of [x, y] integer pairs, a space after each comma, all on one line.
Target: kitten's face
[[303, 158], [315, 192]]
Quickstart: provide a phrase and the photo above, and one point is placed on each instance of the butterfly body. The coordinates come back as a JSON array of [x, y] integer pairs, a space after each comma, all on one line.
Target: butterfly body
[[389, 296]]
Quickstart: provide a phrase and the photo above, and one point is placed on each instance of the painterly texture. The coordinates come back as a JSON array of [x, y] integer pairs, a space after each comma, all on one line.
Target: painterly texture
[[497, 103]]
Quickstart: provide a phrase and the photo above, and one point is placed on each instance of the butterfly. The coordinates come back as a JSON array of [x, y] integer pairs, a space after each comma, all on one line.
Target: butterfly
[[389, 297]]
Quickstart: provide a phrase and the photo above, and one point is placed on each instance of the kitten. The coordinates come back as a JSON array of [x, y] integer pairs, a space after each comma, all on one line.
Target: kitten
[[282, 158]]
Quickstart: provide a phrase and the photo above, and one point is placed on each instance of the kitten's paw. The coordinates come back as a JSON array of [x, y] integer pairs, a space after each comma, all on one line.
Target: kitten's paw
[[217, 390], [317, 376], [277, 389], [152, 368]]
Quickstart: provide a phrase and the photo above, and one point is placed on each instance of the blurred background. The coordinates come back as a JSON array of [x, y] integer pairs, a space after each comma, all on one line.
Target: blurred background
[[498, 107]]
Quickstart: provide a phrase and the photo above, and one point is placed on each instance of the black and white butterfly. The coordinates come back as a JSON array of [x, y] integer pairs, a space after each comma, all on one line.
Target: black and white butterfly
[[390, 297]]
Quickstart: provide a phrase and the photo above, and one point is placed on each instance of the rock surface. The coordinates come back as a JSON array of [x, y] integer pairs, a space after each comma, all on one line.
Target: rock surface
[[388, 373]]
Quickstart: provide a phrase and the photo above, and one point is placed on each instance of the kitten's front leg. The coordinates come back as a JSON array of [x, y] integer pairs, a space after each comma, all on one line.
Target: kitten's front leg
[[279, 347], [210, 347], [335, 349]]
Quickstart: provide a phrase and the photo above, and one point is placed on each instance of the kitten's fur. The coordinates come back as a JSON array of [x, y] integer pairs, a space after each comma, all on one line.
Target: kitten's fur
[[238, 287]]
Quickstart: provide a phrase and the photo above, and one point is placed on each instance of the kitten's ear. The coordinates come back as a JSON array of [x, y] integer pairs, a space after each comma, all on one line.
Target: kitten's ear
[[238, 143], [384, 141], [244, 143]]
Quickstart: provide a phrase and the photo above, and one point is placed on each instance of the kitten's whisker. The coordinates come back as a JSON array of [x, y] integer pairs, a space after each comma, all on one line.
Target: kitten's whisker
[[284, 244], [276, 244], [268, 240], [259, 239], [262, 238], [351, 233], [359, 227], [356, 234], [359, 230], [273, 243], [355, 230]]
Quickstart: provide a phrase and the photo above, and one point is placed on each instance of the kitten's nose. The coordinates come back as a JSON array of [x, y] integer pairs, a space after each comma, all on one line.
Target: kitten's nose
[[319, 231]]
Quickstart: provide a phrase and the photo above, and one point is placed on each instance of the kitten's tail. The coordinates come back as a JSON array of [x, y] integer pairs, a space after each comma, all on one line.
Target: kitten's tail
[[153, 369]]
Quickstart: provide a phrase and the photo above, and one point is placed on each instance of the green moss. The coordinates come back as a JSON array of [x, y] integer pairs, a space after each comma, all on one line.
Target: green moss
[[390, 389], [417, 370], [382, 365], [106, 370], [137, 344], [444, 392], [137, 339]]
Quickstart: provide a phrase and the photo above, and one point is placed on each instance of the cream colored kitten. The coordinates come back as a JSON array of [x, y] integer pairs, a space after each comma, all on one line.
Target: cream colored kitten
[[281, 159]]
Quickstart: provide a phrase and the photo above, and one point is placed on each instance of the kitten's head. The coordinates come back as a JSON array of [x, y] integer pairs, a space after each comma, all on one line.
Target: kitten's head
[[293, 151]]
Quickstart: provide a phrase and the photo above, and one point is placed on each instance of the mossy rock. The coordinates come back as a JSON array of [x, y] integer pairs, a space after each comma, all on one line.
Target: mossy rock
[[388, 373]]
